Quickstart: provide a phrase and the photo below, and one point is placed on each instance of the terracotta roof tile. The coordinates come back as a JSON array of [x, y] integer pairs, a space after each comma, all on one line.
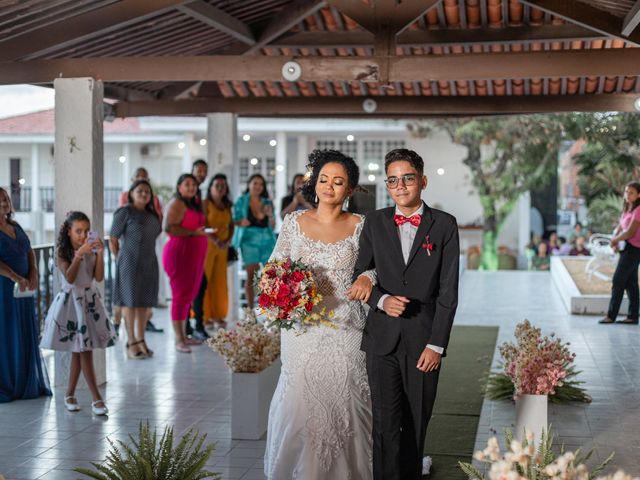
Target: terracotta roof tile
[[43, 122]]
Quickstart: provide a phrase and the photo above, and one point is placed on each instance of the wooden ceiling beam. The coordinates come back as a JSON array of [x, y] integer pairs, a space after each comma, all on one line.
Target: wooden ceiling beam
[[631, 20], [218, 19], [431, 38], [485, 66], [291, 16], [82, 27], [586, 16], [387, 106]]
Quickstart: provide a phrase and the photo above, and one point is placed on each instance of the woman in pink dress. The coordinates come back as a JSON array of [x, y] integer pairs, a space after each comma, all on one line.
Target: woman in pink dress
[[183, 255]]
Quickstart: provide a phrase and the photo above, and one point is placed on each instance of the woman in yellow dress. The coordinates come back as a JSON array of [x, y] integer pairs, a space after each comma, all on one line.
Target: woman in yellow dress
[[217, 208]]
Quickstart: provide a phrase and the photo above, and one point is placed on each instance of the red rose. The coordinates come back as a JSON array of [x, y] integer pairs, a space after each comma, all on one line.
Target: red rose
[[271, 273], [308, 306], [284, 290], [297, 276], [264, 300]]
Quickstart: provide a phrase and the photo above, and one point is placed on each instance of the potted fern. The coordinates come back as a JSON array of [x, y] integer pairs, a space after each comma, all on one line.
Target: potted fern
[[147, 459]]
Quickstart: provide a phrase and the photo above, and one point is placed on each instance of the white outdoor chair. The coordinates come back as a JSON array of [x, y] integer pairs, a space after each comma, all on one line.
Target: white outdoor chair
[[602, 255]]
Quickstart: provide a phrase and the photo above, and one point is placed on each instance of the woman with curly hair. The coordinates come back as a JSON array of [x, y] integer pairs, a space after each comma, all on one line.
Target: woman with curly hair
[[320, 416]]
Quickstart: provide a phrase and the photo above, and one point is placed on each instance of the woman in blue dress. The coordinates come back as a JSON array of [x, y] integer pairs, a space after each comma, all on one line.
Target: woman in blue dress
[[254, 237], [22, 374]]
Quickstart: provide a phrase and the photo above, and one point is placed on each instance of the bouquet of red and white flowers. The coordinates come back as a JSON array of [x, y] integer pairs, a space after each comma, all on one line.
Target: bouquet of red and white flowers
[[288, 293]]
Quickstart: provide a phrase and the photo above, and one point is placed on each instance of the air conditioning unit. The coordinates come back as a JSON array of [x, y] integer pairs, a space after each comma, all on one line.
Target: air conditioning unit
[[150, 150]]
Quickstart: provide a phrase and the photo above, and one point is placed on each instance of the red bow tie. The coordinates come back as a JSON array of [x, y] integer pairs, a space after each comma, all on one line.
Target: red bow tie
[[413, 219]]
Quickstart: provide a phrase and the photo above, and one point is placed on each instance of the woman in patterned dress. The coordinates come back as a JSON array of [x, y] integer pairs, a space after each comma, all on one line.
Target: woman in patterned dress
[[320, 416], [133, 236]]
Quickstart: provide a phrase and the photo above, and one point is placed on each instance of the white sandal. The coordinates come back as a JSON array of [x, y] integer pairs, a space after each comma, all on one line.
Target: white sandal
[[72, 407], [103, 410]]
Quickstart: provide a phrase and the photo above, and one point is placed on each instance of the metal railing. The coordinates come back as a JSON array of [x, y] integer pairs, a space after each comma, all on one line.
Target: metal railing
[[47, 196], [45, 262]]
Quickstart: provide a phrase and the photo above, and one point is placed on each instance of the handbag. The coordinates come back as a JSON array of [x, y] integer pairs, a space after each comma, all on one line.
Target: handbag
[[17, 293], [232, 255]]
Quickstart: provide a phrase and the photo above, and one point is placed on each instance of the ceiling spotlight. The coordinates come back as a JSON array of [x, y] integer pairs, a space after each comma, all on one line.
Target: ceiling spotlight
[[254, 161], [636, 104], [440, 171], [350, 138], [369, 105], [246, 137], [372, 178], [273, 142], [203, 141], [373, 166], [291, 71], [181, 145], [279, 168], [21, 181], [122, 159]]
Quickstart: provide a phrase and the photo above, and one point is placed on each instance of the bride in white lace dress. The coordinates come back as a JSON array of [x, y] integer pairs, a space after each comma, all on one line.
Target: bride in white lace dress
[[320, 415]]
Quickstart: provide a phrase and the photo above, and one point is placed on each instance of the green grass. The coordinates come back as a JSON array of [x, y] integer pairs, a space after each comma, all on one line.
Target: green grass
[[452, 429]]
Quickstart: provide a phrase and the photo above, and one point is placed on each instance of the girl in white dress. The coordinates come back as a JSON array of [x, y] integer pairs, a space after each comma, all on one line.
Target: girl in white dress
[[77, 321], [320, 415]]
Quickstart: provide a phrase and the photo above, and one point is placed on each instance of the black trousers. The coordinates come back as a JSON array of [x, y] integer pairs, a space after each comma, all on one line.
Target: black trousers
[[197, 306], [626, 278], [402, 400]]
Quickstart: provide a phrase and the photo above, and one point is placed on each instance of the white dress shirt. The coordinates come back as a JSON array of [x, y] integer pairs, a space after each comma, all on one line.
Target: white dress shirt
[[407, 233]]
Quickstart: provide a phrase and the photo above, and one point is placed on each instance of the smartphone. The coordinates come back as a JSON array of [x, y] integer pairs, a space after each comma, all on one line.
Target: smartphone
[[92, 237], [209, 231]]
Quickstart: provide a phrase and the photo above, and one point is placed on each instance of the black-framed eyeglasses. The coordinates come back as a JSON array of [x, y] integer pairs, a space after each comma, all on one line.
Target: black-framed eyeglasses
[[409, 180]]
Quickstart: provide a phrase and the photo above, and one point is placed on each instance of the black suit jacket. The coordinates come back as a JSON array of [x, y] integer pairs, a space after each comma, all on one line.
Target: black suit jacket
[[429, 281]]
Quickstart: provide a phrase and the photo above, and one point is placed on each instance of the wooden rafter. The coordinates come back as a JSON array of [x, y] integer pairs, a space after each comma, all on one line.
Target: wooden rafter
[[387, 106], [586, 16], [218, 19], [486, 66], [292, 15], [631, 20], [429, 38], [82, 27]]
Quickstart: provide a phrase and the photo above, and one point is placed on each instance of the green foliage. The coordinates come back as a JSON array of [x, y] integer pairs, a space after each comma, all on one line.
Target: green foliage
[[544, 456], [498, 386], [507, 156], [604, 212], [146, 459]]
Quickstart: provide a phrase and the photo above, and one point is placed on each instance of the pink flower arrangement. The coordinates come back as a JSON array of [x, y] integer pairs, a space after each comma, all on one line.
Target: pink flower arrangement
[[536, 365]]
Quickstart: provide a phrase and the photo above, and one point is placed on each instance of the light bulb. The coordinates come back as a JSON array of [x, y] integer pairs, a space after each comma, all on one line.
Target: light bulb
[[440, 171], [372, 178], [350, 138], [254, 161], [246, 137], [273, 142], [203, 141], [181, 145], [122, 159]]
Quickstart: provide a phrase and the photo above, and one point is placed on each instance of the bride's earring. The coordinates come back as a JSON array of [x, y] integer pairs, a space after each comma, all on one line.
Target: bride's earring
[[316, 199], [346, 204]]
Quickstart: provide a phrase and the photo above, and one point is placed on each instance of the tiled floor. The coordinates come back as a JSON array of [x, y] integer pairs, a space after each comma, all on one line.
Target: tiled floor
[[40, 439]]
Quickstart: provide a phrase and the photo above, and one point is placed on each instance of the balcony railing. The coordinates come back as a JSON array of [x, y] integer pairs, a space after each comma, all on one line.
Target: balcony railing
[[47, 196], [46, 268]]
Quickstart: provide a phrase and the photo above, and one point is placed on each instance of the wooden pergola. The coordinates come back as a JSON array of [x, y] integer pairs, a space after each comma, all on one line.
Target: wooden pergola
[[383, 58]]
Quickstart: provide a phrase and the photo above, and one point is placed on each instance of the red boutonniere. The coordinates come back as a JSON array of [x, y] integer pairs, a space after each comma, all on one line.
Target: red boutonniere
[[427, 245]]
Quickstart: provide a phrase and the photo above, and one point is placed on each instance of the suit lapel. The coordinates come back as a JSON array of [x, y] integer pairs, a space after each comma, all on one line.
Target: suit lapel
[[392, 231], [423, 230]]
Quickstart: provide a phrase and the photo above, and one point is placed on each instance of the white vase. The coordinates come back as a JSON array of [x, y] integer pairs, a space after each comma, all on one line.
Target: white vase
[[531, 413], [250, 399]]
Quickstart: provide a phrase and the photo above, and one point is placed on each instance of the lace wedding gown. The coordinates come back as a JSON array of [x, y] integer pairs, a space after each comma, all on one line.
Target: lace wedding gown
[[320, 415]]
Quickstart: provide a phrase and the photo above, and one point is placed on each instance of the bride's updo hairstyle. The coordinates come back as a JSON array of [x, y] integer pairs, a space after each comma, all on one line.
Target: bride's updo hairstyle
[[317, 160]]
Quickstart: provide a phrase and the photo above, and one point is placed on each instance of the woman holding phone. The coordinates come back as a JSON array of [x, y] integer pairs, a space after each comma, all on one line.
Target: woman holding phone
[[254, 237]]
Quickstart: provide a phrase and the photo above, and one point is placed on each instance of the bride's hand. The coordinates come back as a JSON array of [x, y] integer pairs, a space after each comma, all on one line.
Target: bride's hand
[[361, 289]]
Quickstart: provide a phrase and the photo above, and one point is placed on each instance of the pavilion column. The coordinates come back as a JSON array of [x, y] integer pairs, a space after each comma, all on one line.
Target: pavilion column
[[126, 167], [186, 153], [281, 174], [303, 154], [36, 212], [79, 174], [222, 156], [524, 228]]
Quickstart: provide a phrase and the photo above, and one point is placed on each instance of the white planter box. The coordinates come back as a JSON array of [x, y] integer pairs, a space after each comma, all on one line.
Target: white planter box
[[250, 399], [531, 413]]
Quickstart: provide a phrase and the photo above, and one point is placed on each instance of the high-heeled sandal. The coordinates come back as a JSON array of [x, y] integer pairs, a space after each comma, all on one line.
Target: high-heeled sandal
[[139, 355], [146, 348]]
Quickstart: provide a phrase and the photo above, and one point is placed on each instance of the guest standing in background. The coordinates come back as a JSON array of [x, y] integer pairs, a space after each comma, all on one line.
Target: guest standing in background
[[295, 200], [141, 173], [541, 261], [217, 207], [254, 237], [579, 248], [183, 255], [22, 374], [133, 236], [199, 170], [626, 274]]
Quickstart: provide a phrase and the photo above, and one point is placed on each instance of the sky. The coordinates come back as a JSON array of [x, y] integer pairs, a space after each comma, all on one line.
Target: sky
[[19, 99]]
